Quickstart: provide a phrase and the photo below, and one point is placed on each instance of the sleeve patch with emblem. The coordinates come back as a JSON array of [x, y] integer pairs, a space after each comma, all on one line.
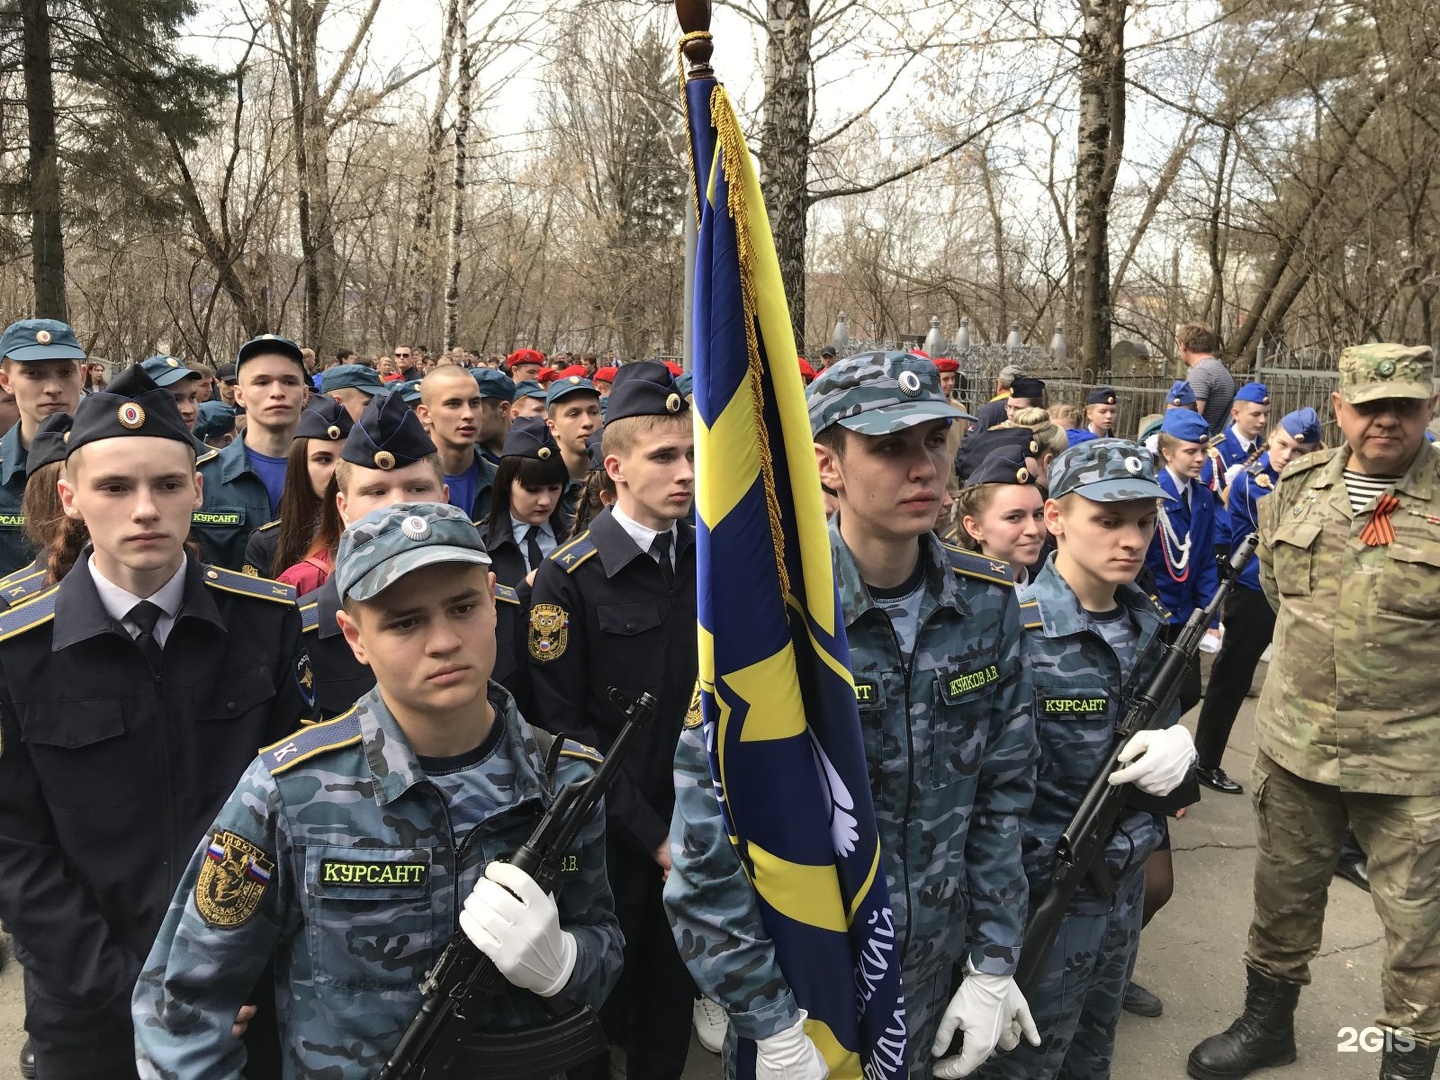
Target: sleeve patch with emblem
[[232, 881], [549, 632], [305, 679]]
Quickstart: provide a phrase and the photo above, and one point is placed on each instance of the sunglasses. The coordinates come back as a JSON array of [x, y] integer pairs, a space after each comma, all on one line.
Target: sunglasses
[[402, 356]]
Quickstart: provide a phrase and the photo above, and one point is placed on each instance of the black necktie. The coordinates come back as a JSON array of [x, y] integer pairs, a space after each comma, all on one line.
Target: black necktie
[[660, 548], [532, 548], [146, 615]]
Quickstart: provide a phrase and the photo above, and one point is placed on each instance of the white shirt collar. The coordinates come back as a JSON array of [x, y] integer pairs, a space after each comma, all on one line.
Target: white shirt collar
[[1182, 484], [642, 535], [520, 529], [118, 602]]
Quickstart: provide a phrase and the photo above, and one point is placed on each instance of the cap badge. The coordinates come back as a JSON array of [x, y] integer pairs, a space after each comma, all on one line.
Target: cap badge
[[170, 361], [333, 431], [574, 380], [384, 459], [1134, 466], [1385, 368], [131, 416], [43, 337], [1022, 475], [415, 527], [543, 453], [909, 383], [1110, 400], [673, 403], [1265, 400]]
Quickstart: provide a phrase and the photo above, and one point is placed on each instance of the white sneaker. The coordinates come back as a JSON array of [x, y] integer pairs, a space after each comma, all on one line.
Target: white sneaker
[[710, 1024]]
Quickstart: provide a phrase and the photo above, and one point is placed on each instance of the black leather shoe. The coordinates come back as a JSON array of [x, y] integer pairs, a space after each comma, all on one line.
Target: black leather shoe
[[1216, 779], [1355, 872], [27, 1061], [1414, 1063], [1141, 1002]]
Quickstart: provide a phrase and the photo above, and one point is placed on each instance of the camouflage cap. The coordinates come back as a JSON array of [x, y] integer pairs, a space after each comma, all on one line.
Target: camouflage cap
[[879, 393], [386, 544], [1106, 470], [1385, 370]]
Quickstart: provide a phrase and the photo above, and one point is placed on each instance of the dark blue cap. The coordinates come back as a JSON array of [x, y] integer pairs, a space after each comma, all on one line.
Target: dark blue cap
[[1005, 465], [1027, 388], [324, 418], [48, 446], [40, 339], [528, 388], [410, 391], [1180, 394], [571, 384], [387, 436], [976, 448], [1101, 395], [644, 388], [494, 384], [132, 405], [266, 345], [167, 370], [1255, 392], [685, 384], [1186, 426], [593, 448], [1302, 425], [214, 418], [531, 437], [352, 376]]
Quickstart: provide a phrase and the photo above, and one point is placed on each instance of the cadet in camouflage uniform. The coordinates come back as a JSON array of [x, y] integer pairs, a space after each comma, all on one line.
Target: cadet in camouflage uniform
[[934, 640], [1348, 724], [349, 852], [1091, 632]]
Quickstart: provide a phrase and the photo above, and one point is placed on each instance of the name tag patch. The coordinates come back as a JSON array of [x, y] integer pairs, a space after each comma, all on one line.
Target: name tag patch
[[868, 693], [956, 684], [373, 875], [1076, 706], [206, 517], [12, 521]]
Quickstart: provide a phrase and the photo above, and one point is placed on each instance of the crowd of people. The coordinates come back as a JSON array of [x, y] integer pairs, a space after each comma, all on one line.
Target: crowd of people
[[412, 582]]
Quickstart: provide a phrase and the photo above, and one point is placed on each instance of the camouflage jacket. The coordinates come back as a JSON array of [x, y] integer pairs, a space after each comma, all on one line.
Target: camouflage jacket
[[950, 744], [1350, 699], [340, 858], [1080, 695]]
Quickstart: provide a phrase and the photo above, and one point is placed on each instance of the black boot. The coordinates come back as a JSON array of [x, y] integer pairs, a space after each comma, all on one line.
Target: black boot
[[1263, 1035], [1416, 1063], [27, 1061]]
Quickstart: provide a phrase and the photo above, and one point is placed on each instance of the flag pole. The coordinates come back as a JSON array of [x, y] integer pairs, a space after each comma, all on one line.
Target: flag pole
[[694, 16]]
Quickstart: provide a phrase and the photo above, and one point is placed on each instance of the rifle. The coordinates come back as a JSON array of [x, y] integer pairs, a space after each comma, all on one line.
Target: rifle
[[1079, 855], [464, 979]]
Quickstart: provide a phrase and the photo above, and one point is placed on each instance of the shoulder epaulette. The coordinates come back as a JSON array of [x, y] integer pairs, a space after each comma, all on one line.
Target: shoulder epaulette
[[29, 613], [311, 740], [205, 459], [217, 577], [571, 555], [1030, 614], [506, 595], [578, 750], [310, 617], [1308, 462], [269, 525], [978, 566], [17, 586], [1159, 607]]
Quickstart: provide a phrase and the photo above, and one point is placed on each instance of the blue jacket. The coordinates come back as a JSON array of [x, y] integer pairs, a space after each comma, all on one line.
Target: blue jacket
[[1225, 452], [236, 504], [1200, 577], [1249, 488]]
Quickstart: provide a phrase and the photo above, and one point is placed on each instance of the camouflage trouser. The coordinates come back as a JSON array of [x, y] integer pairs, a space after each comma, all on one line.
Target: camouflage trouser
[[1300, 827], [1077, 1003]]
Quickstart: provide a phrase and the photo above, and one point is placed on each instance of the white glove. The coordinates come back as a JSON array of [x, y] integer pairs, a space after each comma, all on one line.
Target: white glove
[[515, 923], [789, 1055], [990, 1012], [1156, 761]]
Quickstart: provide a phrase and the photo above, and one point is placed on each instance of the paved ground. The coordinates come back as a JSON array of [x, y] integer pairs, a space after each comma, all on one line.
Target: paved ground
[[1190, 956]]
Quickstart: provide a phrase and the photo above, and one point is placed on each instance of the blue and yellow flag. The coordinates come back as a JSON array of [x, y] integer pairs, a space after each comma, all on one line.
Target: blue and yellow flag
[[778, 700]]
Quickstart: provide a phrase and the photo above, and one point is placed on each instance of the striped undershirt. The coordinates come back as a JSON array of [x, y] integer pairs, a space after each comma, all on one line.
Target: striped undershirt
[[1363, 489]]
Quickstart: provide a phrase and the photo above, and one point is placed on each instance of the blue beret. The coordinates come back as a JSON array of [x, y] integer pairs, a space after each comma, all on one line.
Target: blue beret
[[167, 371], [1255, 392], [131, 405], [644, 388], [48, 446], [1302, 425], [531, 437], [324, 418], [1186, 426], [1005, 465], [353, 376], [571, 384], [40, 339], [1075, 436], [1180, 394], [387, 436], [214, 418], [494, 384], [1101, 395], [528, 388]]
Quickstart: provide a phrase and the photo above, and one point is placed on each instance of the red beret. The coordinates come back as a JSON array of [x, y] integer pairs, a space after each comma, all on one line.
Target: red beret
[[546, 375], [573, 369], [675, 369], [524, 356], [604, 374], [946, 364]]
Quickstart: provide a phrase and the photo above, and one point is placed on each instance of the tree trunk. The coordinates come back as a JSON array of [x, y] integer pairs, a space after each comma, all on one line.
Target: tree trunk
[[785, 144], [457, 208], [47, 240], [1101, 145]]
